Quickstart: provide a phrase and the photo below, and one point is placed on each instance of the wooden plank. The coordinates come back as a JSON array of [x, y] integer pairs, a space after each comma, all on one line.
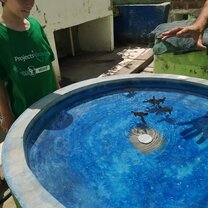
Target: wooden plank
[[138, 64], [145, 55]]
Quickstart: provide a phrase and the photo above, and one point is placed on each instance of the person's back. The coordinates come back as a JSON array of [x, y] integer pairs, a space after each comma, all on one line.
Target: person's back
[[26, 72]]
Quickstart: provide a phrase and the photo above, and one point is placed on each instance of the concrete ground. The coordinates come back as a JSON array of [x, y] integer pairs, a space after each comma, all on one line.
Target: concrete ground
[[123, 60]]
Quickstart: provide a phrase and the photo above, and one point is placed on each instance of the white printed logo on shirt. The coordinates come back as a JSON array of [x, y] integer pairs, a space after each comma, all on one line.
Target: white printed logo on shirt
[[32, 71], [40, 56]]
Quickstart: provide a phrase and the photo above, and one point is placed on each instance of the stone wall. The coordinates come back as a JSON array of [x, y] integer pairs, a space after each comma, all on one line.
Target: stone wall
[[187, 4], [118, 2], [176, 4], [185, 9]]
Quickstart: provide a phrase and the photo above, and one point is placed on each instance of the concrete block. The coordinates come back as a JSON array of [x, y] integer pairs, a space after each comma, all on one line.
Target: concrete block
[[134, 22]]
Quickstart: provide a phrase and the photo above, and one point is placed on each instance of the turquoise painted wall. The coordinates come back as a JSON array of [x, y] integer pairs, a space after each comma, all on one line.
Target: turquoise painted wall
[[118, 2]]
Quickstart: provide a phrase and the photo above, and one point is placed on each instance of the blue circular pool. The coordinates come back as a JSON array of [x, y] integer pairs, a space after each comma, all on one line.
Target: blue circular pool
[[127, 141]]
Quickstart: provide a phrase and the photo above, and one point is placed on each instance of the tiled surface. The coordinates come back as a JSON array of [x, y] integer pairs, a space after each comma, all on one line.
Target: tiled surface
[[122, 58], [23, 120], [123, 172], [17, 143]]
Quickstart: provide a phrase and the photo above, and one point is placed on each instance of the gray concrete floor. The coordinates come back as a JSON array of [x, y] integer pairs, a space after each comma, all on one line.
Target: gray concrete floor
[[92, 65]]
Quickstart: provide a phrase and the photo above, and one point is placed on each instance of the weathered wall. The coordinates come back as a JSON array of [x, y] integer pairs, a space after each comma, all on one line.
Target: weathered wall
[[176, 4], [134, 22], [55, 15], [95, 35], [117, 2], [67, 13], [184, 9], [187, 4]]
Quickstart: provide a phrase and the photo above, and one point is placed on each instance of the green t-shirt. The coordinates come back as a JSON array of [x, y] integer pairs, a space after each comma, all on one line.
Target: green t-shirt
[[25, 63]]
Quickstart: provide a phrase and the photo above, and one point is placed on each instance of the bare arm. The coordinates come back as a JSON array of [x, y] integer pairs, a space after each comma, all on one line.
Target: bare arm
[[5, 112], [203, 18], [57, 83], [56, 77], [195, 30]]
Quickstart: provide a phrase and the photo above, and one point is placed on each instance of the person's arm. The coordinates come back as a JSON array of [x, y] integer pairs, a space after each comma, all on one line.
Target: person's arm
[[5, 111], [57, 83], [195, 30], [202, 20], [56, 77]]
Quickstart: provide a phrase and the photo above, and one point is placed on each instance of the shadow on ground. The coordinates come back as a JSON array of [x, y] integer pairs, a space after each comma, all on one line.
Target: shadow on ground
[[87, 65]]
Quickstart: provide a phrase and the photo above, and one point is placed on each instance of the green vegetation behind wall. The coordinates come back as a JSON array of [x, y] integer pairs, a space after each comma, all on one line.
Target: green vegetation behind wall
[[117, 2]]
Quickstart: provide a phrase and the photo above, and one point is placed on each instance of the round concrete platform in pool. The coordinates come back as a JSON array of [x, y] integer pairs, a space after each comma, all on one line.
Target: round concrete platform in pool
[[124, 141]]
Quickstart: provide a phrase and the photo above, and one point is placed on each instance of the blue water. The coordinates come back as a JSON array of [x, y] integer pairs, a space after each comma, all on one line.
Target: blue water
[[85, 159]]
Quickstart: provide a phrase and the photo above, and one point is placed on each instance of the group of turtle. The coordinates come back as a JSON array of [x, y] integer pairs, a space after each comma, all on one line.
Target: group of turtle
[[156, 103]]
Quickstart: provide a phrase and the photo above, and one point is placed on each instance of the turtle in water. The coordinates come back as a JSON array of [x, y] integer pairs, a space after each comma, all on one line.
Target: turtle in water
[[141, 115], [155, 101], [165, 109]]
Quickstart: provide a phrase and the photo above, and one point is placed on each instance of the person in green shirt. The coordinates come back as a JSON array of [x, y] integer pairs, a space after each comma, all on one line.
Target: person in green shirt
[[195, 30], [26, 72]]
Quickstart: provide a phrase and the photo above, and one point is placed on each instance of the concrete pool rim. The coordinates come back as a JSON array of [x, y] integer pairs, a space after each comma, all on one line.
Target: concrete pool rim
[[21, 180]]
